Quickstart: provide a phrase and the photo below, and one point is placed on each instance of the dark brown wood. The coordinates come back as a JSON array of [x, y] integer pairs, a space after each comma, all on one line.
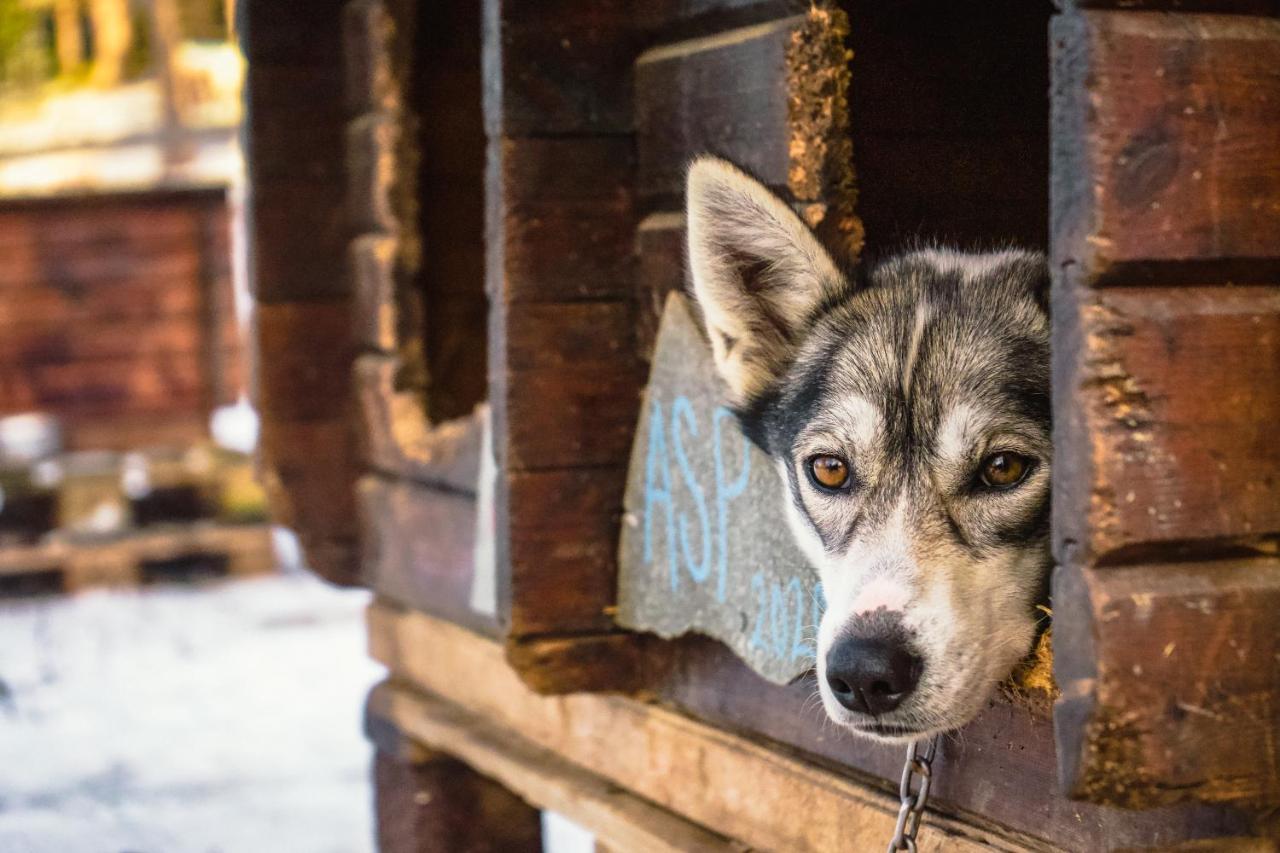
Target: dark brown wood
[[660, 242], [1177, 700], [772, 97], [420, 548], [1169, 400], [564, 385], [562, 219], [299, 229], [1167, 147], [562, 533], [440, 805], [725, 94], [115, 314], [585, 663], [565, 67], [1165, 168]]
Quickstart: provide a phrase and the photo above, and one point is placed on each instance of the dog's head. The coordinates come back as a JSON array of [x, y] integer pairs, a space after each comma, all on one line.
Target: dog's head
[[908, 416]]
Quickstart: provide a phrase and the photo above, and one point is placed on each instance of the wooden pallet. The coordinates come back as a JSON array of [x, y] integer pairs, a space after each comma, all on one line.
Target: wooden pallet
[[63, 563]]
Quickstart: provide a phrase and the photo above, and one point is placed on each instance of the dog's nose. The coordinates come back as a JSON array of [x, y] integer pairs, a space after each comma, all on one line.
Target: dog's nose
[[871, 676]]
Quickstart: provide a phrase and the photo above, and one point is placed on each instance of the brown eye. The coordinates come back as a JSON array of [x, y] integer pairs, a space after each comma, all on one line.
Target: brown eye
[[829, 472], [1005, 469]]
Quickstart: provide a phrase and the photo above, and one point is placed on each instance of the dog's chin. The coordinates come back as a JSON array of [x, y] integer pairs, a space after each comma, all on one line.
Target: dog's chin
[[887, 730]]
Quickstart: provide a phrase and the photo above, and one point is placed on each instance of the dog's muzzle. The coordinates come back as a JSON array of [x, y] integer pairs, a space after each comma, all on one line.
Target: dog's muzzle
[[872, 671]]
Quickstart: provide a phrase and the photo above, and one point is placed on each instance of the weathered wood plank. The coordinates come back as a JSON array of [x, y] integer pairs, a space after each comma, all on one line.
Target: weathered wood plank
[[398, 439], [565, 67], [305, 351], [561, 219], [544, 779], [772, 97], [316, 500], [1167, 401], [561, 542], [1167, 147], [653, 752], [660, 242], [420, 548], [437, 804], [1169, 689]]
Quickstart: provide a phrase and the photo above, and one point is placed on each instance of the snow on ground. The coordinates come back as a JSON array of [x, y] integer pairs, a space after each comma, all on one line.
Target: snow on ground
[[223, 717]]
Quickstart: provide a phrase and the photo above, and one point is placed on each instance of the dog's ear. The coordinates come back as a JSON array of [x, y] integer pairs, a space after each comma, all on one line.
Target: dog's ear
[[758, 274]]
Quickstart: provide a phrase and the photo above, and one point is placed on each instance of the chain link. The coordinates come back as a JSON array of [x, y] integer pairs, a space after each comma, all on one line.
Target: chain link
[[912, 805]]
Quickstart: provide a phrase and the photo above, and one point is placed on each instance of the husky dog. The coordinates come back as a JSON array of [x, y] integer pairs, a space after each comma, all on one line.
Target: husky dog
[[908, 415]]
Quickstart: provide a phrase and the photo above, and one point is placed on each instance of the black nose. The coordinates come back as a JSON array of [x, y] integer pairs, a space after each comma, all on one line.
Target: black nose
[[871, 676]]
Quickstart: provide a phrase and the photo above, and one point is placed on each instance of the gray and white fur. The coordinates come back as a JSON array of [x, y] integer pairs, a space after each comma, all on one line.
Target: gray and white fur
[[918, 376]]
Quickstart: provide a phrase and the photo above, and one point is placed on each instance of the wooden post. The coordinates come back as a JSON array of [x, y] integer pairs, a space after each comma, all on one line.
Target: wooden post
[[1166, 174]]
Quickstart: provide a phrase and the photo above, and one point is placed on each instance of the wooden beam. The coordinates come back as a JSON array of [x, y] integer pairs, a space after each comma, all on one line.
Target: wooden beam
[[538, 775], [719, 780], [1166, 147]]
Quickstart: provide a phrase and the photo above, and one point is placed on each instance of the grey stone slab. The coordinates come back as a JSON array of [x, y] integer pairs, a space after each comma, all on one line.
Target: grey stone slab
[[705, 546]]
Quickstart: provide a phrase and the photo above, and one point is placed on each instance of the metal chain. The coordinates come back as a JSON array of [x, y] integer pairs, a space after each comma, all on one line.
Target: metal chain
[[912, 809]]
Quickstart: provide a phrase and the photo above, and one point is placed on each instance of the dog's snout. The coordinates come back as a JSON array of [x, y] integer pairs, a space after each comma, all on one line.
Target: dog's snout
[[871, 675]]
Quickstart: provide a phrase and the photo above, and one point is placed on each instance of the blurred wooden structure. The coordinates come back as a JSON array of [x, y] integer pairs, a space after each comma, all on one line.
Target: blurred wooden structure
[[117, 315], [1149, 174]]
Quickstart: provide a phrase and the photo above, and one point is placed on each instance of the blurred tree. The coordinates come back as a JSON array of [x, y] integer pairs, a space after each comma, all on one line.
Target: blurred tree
[[68, 35], [112, 33]]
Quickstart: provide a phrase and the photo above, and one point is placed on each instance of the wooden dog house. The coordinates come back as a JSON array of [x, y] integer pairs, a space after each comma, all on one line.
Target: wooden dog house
[[466, 217]]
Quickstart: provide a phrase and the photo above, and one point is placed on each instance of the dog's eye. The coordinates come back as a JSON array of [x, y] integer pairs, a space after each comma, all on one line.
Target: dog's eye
[[1005, 469], [829, 473]]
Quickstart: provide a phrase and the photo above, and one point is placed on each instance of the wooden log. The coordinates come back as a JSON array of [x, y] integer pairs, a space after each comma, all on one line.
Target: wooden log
[[274, 32], [436, 804], [1001, 768], [371, 81], [299, 238], [1167, 147], [772, 97], [565, 67], [545, 780], [652, 752], [1169, 677], [316, 500], [562, 541], [1168, 400], [562, 225], [420, 548], [305, 351]]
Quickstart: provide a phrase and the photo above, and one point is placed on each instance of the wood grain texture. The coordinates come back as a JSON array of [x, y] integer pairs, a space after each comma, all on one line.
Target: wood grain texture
[[561, 541], [1167, 147], [997, 771], [565, 67], [653, 752], [771, 97], [561, 219], [419, 548], [1166, 331], [1177, 698], [437, 804], [1168, 400], [544, 779]]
